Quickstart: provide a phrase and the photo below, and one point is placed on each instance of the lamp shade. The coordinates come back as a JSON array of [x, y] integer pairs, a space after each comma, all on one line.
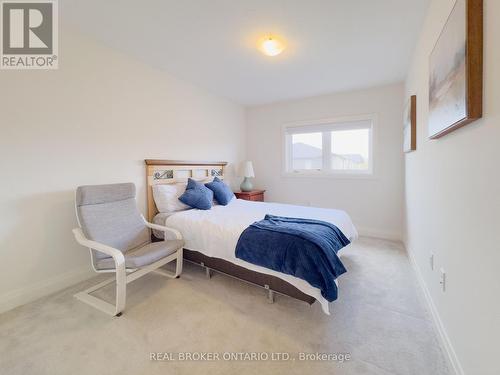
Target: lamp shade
[[246, 169]]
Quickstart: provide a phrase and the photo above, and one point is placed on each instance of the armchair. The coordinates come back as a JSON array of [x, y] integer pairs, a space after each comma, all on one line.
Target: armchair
[[119, 240]]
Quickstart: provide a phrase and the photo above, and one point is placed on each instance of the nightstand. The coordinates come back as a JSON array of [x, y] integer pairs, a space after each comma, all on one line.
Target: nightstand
[[254, 195]]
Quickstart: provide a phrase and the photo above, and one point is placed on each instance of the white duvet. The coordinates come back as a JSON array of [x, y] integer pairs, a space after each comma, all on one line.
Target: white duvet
[[215, 232]]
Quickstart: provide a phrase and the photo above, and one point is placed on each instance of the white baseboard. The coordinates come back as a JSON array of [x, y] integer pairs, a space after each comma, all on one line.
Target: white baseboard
[[438, 323], [370, 232], [37, 290]]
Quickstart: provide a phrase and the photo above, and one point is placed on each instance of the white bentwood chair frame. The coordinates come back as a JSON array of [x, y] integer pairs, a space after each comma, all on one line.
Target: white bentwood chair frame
[[121, 277]]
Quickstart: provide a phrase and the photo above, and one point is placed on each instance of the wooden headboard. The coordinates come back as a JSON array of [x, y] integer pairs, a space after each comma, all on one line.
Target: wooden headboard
[[178, 171]]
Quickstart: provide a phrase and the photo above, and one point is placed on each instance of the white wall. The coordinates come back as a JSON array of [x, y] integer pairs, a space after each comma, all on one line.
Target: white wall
[[453, 206], [375, 204], [93, 121]]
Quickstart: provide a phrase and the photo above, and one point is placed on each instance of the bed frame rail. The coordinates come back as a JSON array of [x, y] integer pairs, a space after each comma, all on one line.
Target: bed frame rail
[[272, 284]]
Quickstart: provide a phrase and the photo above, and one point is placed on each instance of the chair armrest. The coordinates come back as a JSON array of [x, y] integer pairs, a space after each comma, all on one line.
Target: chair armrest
[[116, 254], [164, 229]]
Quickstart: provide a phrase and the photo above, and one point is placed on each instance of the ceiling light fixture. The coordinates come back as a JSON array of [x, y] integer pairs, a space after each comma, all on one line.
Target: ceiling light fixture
[[272, 46]]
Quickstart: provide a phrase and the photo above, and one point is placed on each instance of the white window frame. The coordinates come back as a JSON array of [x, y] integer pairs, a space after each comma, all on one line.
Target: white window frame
[[328, 123]]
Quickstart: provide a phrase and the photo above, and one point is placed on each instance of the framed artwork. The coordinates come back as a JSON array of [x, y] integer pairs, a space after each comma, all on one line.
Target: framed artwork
[[456, 70], [410, 125]]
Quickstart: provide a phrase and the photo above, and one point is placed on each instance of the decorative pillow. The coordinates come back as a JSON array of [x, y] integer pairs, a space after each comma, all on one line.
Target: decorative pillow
[[197, 195], [223, 193], [167, 197]]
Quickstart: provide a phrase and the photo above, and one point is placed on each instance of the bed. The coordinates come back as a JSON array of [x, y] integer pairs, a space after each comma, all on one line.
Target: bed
[[211, 235]]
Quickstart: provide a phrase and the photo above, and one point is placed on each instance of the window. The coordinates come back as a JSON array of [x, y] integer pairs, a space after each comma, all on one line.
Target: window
[[341, 146]]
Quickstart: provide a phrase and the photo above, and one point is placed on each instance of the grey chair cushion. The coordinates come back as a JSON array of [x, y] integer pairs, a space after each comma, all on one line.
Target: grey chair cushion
[[144, 255], [108, 214]]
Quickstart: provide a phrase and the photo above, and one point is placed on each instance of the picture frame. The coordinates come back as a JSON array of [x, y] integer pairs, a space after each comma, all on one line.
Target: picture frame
[[410, 125], [456, 70]]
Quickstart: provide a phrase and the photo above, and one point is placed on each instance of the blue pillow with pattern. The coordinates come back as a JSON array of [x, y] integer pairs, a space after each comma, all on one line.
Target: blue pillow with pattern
[[223, 193], [197, 195]]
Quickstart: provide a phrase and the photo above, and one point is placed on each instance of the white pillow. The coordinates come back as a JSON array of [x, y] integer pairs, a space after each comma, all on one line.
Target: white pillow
[[167, 197]]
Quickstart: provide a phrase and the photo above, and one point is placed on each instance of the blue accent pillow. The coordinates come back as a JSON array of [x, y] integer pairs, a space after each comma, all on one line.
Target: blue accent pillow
[[197, 195], [223, 193]]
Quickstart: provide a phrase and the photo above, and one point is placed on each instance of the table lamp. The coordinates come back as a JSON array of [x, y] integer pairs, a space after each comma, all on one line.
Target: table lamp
[[247, 172]]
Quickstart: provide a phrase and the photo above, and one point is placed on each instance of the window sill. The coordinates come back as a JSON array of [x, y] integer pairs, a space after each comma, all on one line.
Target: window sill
[[331, 175]]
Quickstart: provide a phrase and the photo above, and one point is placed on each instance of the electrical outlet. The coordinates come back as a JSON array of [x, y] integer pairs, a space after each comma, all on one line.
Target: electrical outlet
[[431, 261], [442, 279]]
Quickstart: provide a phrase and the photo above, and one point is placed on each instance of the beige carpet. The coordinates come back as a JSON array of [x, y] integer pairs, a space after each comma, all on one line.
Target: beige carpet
[[380, 320]]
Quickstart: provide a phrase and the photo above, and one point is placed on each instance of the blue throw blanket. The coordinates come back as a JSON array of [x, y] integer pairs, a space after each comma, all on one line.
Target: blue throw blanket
[[304, 248]]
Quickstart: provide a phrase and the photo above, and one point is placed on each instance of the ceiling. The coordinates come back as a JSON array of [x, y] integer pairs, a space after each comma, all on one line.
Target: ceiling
[[332, 45]]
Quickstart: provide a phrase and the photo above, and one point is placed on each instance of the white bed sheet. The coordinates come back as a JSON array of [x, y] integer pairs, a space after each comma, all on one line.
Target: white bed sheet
[[215, 232]]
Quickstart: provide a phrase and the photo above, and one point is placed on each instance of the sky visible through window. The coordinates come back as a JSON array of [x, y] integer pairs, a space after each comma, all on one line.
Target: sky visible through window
[[311, 139], [351, 142]]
